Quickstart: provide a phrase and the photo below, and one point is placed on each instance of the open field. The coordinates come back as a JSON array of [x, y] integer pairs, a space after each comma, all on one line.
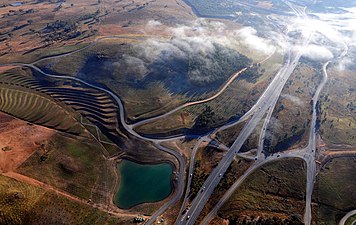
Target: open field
[[289, 126], [18, 140], [236, 100], [334, 194], [34, 29], [277, 189], [23, 203], [73, 165], [337, 108]]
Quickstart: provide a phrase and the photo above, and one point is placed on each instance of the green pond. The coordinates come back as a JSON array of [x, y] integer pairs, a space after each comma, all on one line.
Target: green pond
[[142, 183]]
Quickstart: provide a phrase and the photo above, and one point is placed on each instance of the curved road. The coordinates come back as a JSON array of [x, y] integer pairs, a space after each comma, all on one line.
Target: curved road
[[311, 149], [180, 185], [229, 81], [222, 89], [347, 216], [267, 100]]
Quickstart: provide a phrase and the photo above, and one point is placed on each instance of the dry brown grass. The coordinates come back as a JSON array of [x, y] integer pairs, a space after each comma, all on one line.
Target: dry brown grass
[[21, 138]]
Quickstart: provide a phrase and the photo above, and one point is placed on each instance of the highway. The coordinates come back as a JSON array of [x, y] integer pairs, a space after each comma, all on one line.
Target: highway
[[268, 99], [311, 148], [307, 154], [260, 162], [190, 175], [264, 106]]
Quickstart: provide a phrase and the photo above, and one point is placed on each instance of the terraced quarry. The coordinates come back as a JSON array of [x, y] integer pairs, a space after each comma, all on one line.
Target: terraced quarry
[[31, 105], [143, 112], [98, 108], [69, 108]]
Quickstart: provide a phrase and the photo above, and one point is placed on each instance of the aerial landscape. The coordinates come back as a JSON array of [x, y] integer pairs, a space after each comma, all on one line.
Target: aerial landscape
[[178, 112]]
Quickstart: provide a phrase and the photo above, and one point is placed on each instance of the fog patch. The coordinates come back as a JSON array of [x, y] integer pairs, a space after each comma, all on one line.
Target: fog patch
[[317, 53], [294, 99]]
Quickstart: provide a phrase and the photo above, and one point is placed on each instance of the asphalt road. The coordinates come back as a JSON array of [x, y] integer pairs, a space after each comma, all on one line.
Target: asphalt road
[[267, 100], [344, 219], [180, 186], [222, 89], [260, 162], [311, 150], [190, 175], [271, 95]]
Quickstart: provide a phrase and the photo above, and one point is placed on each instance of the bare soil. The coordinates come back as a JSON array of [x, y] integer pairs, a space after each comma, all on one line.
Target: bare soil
[[18, 140]]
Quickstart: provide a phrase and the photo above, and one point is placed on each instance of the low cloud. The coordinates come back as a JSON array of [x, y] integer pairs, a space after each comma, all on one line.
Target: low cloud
[[202, 34], [248, 36], [294, 99], [317, 53]]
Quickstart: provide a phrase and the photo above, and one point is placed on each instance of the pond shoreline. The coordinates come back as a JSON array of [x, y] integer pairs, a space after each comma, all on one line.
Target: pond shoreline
[[158, 163]]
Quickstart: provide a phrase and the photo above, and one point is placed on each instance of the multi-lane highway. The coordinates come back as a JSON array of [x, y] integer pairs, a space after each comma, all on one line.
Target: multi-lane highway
[[263, 107], [268, 99], [257, 164]]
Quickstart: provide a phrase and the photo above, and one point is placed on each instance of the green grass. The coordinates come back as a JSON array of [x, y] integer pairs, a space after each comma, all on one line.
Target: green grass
[[289, 125], [275, 189], [334, 191], [350, 220], [338, 123], [22, 203], [35, 107], [73, 165]]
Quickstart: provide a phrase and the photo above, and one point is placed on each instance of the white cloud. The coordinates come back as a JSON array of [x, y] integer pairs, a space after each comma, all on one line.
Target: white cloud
[[293, 99], [152, 24], [248, 36], [316, 52]]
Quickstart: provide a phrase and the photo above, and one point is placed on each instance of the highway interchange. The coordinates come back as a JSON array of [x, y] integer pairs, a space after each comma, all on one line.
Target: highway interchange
[[262, 109]]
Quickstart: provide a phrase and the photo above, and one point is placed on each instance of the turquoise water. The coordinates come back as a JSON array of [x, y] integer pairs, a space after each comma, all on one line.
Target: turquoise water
[[142, 183]]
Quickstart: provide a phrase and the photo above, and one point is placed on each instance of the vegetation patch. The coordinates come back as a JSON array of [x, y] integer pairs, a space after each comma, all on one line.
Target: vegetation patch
[[22, 203], [277, 189], [206, 160], [337, 108], [289, 125], [334, 191], [73, 165]]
